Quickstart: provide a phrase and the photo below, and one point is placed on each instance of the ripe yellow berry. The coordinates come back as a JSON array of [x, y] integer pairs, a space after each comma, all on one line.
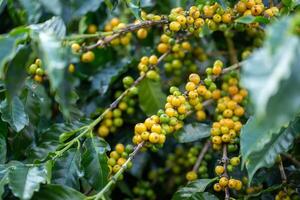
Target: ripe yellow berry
[[38, 78], [181, 19], [191, 176], [239, 111], [219, 170], [154, 138], [114, 155], [217, 140], [217, 70], [116, 168], [175, 26], [217, 187], [92, 28], [232, 183], [145, 135], [241, 7], [121, 161], [190, 86], [120, 148], [103, 131], [140, 128], [217, 18], [142, 33], [200, 115], [239, 185], [235, 161], [88, 57], [38, 61], [162, 139], [226, 18], [114, 22], [137, 139], [153, 60], [223, 181], [156, 128], [226, 138], [75, 47], [195, 78], [162, 47], [149, 123], [257, 10]]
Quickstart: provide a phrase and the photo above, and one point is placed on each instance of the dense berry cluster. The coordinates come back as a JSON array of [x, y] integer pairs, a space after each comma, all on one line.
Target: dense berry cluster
[[115, 24], [36, 70], [118, 157]]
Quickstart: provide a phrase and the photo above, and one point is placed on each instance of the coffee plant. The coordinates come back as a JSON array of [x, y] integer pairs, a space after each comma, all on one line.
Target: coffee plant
[[108, 99]]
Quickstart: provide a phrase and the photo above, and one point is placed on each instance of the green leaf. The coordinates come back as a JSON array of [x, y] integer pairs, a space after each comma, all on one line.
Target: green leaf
[[14, 114], [135, 8], [276, 144], [33, 10], [55, 57], [248, 19], [107, 75], [66, 170], [71, 10], [193, 132], [94, 162], [151, 96], [3, 179], [271, 76], [57, 192], [195, 191], [3, 147], [17, 66], [24, 181], [9, 43]]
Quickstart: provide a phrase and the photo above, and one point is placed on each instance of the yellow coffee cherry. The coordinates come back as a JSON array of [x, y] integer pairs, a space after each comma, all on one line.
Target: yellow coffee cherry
[[137, 139], [156, 128], [239, 185], [217, 187], [195, 78], [145, 135], [162, 139], [140, 128], [217, 18], [190, 86], [103, 131], [38, 61], [181, 19], [142, 33], [241, 7], [154, 138], [153, 60], [120, 148], [116, 168], [121, 161], [191, 176], [88, 57], [223, 181], [219, 170], [92, 28], [217, 140], [226, 138], [114, 155], [75, 47], [226, 18], [200, 115], [175, 26], [149, 123], [162, 47], [114, 21], [232, 183]]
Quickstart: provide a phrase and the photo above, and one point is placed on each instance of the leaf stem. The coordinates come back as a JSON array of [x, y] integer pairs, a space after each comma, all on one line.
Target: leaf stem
[[114, 179], [282, 172], [293, 160]]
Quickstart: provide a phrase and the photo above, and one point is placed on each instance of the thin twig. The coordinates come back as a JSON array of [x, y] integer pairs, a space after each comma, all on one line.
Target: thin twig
[[129, 28], [232, 51], [225, 174], [201, 155], [292, 159], [282, 172]]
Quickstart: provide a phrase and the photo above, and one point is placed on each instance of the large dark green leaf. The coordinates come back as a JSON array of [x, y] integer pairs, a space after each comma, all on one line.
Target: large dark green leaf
[[271, 76], [195, 191], [57, 192], [151, 96], [193, 132], [69, 10], [48, 140], [94, 162], [24, 180], [3, 179], [17, 67], [9, 43], [278, 143], [107, 75], [14, 114], [33, 10], [66, 170]]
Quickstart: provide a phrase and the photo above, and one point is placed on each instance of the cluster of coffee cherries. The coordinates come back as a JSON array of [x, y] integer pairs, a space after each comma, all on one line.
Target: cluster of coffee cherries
[[86, 57], [147, 66], [115, 24], [154, 129], [224, 181], [36, 70], [113, 119], [255, 8], [143, 190], [118, 157], [287, 194]]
